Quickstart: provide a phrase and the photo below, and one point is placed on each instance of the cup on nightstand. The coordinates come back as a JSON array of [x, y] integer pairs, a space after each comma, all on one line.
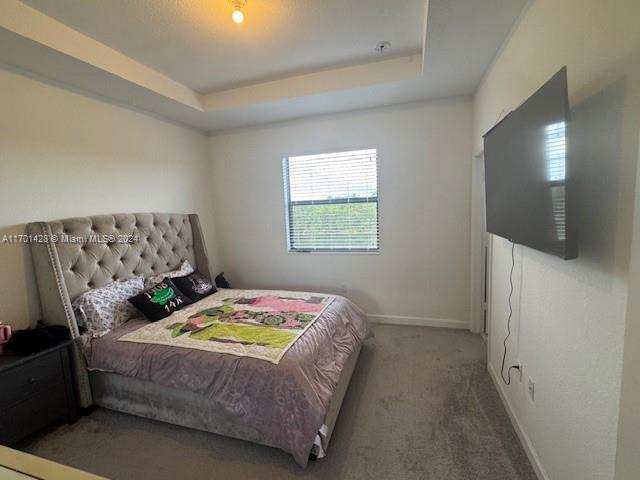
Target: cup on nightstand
[[5, 335]]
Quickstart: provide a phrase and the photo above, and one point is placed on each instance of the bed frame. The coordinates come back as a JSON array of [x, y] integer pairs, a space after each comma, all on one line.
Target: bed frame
[[67, 265]]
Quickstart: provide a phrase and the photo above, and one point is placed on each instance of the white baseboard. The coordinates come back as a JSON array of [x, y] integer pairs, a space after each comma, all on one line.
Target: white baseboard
[[417, 321], [524, 438]]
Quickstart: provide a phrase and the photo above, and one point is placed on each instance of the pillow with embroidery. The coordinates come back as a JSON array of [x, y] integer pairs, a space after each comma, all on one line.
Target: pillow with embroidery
[[185, 269], [160, 301], [100, 310], [196, 286]]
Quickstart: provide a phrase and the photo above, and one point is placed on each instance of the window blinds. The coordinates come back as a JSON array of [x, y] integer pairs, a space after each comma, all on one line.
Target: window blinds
[[332, 202]]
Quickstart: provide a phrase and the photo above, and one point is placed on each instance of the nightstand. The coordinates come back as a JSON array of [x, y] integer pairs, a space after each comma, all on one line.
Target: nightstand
[[35, 391]]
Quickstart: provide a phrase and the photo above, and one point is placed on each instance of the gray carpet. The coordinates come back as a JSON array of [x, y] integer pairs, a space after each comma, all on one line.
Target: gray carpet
[[421, 405]]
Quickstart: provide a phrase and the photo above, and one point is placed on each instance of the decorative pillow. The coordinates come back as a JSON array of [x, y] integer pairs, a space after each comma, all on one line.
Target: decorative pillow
[[185, 269], [195, 286], [103, 309], [160, 301]]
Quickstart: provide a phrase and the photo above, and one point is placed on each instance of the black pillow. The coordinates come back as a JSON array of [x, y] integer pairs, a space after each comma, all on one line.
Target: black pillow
[[221, 282], [195, 286], [160, 301]]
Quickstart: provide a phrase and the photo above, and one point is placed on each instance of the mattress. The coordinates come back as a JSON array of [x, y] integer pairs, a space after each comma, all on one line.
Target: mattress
[[286, 403]]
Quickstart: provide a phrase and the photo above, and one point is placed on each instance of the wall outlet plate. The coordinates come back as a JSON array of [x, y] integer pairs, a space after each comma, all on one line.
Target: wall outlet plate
[[531, 388]]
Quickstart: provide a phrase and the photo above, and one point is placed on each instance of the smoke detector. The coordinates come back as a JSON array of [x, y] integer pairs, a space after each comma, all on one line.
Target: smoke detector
[[382, 47]]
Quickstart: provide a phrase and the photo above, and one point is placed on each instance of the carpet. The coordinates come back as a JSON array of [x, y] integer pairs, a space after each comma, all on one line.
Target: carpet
[[421, 405]]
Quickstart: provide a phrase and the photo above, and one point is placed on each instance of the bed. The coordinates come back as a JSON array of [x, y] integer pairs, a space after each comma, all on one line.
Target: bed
[[292, 405]]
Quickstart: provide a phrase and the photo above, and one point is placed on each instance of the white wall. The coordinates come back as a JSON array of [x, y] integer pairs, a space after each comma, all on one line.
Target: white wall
[[569, 319], [63, 154], [627, 458], [424, 155]]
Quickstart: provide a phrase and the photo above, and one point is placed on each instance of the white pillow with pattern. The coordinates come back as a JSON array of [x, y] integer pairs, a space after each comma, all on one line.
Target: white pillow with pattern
[[103, 309], [184, 270]]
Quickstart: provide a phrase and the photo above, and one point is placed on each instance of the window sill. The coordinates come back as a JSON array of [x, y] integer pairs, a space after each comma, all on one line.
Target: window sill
[[345, 252]]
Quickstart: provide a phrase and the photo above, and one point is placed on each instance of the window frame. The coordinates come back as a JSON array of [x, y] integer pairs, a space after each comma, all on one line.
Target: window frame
[[288, 204]]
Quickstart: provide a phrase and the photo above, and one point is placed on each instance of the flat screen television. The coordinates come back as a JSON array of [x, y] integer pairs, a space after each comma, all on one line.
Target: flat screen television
[[527, 175]]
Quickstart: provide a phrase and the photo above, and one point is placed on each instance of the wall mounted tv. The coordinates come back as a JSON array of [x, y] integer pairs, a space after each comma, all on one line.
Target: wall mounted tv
[[527, 175]]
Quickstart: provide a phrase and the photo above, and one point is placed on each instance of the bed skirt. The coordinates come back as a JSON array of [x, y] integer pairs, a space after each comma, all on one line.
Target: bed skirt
[[188, 409]]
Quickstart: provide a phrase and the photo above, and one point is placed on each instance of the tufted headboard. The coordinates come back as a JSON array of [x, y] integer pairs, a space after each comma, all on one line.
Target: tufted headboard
[[73, 255]]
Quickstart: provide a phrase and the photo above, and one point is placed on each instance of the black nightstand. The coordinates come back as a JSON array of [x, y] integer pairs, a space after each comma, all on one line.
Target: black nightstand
[[35, 391]]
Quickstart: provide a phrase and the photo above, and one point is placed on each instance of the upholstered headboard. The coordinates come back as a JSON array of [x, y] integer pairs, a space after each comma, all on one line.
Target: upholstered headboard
[[73, 255]]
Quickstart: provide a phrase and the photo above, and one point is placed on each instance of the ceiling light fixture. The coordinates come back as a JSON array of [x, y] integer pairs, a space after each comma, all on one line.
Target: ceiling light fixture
[[237, 14]]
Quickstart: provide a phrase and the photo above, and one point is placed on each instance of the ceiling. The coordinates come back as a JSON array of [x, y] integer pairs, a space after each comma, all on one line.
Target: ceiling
[[196, 43], [185, 60]]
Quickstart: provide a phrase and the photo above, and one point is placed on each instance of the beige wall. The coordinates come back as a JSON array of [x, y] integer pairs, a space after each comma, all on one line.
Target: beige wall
[[64, 154], [424, 158], [569, 318], [627, 458]]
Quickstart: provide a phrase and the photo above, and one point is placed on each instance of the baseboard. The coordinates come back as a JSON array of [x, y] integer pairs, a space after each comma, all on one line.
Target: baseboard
[[524, 438], [418, 321]]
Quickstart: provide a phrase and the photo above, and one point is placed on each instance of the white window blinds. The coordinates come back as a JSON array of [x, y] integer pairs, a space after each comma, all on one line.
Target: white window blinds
[[332, 202]]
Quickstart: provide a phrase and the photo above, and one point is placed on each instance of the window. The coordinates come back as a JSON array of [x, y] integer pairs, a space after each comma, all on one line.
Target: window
[[332, 202]]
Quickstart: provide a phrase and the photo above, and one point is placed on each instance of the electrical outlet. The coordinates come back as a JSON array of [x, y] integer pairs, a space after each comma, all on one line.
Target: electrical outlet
[[531, 388]]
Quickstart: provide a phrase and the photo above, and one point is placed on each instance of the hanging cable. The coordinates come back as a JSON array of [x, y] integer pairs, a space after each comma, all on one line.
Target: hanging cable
[[507, 380]]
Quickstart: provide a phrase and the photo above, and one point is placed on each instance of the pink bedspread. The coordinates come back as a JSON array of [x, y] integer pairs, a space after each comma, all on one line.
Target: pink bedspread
[[286, 403]]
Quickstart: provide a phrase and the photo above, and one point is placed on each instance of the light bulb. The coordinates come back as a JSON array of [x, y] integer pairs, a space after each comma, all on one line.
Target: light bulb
[[237, 16]]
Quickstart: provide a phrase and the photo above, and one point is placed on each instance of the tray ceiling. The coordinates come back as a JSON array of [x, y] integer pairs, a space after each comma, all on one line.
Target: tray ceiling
[[196, 43], [185, 60]]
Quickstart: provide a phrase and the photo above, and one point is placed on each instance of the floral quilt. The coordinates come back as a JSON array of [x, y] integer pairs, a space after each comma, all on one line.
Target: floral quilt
[[261, 324]]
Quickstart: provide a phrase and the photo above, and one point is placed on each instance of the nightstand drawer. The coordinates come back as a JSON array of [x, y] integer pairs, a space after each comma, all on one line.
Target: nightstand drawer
[[32, 413], [39, 375]]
